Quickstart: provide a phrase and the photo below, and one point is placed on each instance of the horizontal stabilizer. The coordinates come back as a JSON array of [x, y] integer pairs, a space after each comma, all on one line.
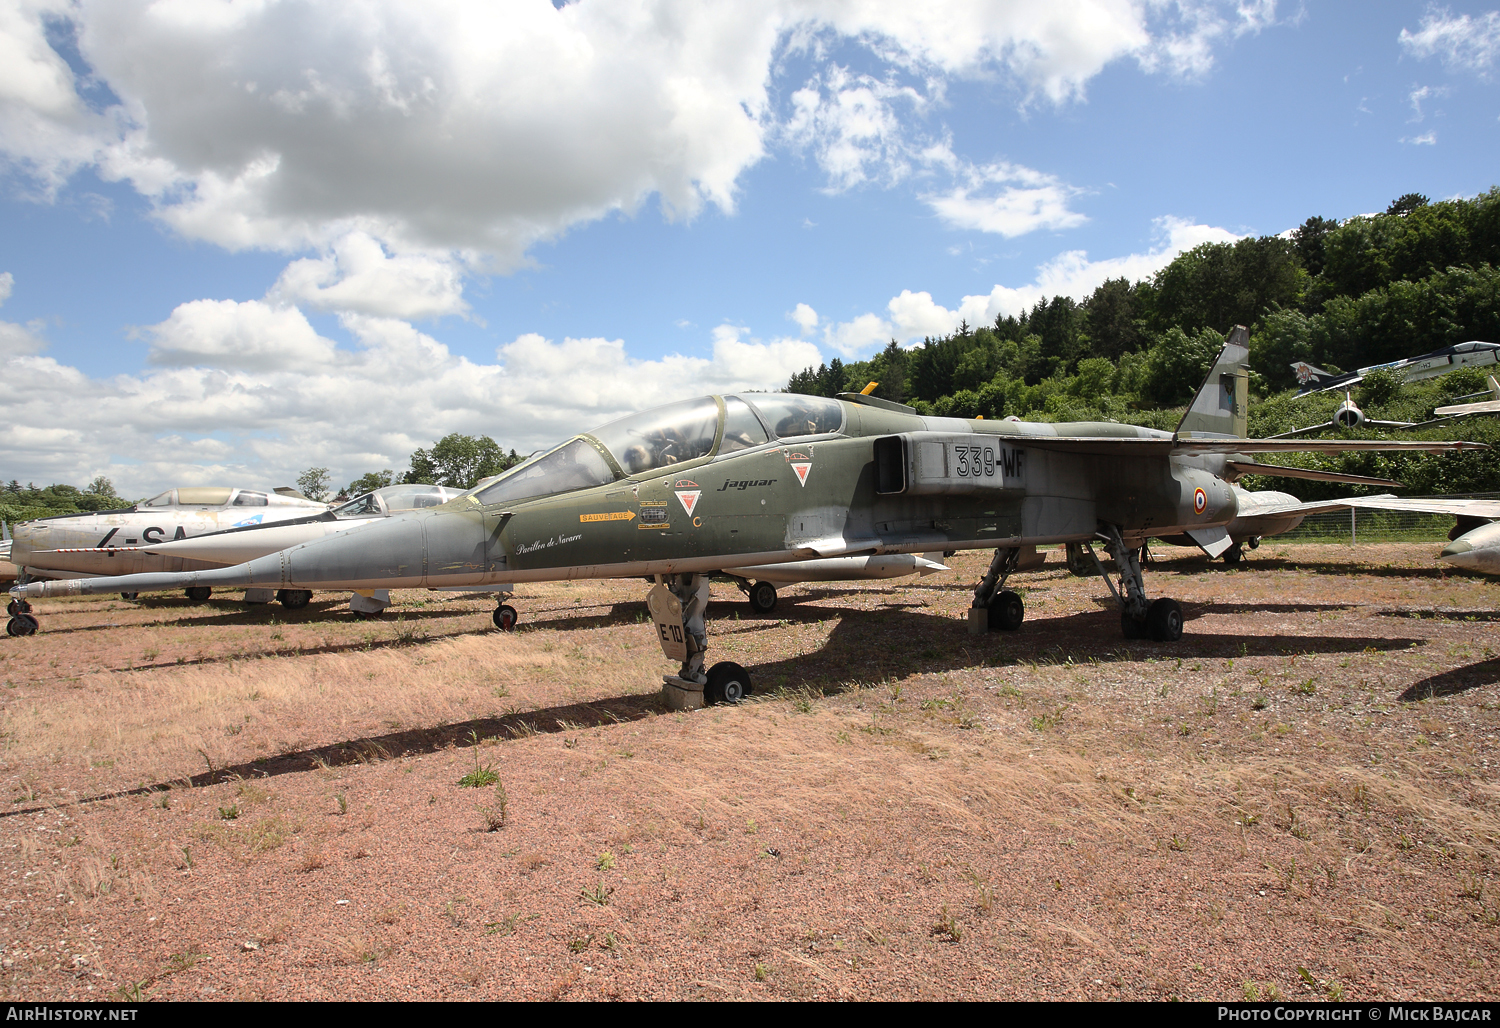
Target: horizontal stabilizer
[[1245, 467]]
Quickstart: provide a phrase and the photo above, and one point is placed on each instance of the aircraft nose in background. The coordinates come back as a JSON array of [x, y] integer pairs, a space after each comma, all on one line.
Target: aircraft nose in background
[[389, 551], [1459, 551]]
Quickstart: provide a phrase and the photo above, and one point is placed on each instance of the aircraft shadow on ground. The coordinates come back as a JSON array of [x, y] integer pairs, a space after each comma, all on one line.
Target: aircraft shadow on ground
[[1439, 614], [1449, 683], [207, 615], [1265, 608], [571, 717], [1436, 572], [872, 646], [865, 647]]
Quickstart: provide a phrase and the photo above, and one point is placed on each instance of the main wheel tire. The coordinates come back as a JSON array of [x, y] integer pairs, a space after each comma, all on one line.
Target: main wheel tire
[[1080, 564], [22, 625], [1234, 554], [1164, 620], [727, 683], [1007, 612], [1131, 627], [130, 596], [762, 597], [367, 615], [294, 599], [505, 617], [199, 593]]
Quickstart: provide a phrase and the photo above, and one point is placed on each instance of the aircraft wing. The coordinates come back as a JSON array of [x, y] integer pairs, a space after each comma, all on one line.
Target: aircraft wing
[[1481, 407], [1308, 508], [1427, 505], [1127, 446], [1319, 445]]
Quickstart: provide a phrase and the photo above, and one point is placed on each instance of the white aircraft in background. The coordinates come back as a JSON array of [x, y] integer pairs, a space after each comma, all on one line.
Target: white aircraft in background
[[1490, 406], [1473, 354], [109, 542]]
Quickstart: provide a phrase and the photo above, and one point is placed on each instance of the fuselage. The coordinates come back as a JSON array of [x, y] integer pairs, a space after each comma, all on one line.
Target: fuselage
[[113, 542], [726, 482]]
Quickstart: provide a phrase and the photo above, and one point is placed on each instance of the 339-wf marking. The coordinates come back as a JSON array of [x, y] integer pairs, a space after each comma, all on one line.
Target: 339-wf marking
[[986, 462]]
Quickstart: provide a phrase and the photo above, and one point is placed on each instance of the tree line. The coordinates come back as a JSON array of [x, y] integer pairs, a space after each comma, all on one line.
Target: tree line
[[1341, 295]]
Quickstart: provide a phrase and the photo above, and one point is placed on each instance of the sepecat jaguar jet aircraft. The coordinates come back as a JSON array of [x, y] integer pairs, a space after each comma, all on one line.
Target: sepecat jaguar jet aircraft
[[696, 487]]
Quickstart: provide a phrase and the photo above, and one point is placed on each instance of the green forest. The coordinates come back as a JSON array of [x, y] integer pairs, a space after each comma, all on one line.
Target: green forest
[[1341, 295]]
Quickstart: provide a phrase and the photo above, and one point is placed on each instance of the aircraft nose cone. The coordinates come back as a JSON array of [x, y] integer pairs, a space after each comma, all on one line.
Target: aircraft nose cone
[[389, 553], [1459, 552]]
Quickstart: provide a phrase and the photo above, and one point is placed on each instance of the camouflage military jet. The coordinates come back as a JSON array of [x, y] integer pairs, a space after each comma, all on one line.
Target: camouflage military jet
[[683, 491]]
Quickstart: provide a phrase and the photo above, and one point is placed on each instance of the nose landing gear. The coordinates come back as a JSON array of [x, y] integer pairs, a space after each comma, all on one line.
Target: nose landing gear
[[22, 621]]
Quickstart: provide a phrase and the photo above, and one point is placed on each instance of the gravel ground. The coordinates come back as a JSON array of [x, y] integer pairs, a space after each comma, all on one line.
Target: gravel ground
[[1298, 800]]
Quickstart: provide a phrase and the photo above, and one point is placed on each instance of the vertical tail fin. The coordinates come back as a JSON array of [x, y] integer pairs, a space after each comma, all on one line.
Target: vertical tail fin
[[1222, 404]]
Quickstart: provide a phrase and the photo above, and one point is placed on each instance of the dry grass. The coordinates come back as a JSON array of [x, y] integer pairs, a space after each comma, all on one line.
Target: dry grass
[[1299, 799]]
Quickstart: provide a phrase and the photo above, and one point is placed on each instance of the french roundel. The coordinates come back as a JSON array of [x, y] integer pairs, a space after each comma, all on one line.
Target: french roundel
[[1200, 500]]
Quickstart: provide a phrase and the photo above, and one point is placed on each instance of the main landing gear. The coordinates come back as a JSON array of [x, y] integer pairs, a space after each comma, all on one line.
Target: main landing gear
[[996, 608], [762, 595], [677, 604], [1161, 619], [22, 621]]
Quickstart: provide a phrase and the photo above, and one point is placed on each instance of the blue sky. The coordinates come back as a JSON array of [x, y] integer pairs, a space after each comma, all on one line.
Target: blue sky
[[243, 239]]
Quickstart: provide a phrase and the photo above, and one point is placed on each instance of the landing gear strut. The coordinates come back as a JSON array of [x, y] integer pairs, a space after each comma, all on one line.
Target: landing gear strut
[[677, 604], [993, 608], [1139, 618]]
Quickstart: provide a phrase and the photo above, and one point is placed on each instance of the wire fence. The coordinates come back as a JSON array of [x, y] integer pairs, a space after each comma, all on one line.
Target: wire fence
[[1369, 526], [1378, 526]]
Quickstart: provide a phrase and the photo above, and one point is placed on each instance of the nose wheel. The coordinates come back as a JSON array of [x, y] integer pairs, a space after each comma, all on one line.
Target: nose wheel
[[505, 617], [22, 621]]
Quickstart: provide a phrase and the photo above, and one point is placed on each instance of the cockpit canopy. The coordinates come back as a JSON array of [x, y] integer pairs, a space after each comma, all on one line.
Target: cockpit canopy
[[393, 499], [650, 440], [223, 496]]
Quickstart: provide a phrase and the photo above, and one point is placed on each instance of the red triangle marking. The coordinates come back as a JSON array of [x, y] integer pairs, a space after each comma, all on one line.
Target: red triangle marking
[[689, 499], [802, 470]]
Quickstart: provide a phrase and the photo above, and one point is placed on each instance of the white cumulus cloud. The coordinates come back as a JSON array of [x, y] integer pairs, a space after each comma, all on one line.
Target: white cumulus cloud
[[481, 128], [1006, 199], [226, 334], [17, 340], [266, 397], [1458, 40], [914, 315], [358, 275]]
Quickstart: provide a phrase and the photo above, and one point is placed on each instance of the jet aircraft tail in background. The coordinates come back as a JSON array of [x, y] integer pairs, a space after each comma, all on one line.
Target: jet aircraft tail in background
[[1221, 407]]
